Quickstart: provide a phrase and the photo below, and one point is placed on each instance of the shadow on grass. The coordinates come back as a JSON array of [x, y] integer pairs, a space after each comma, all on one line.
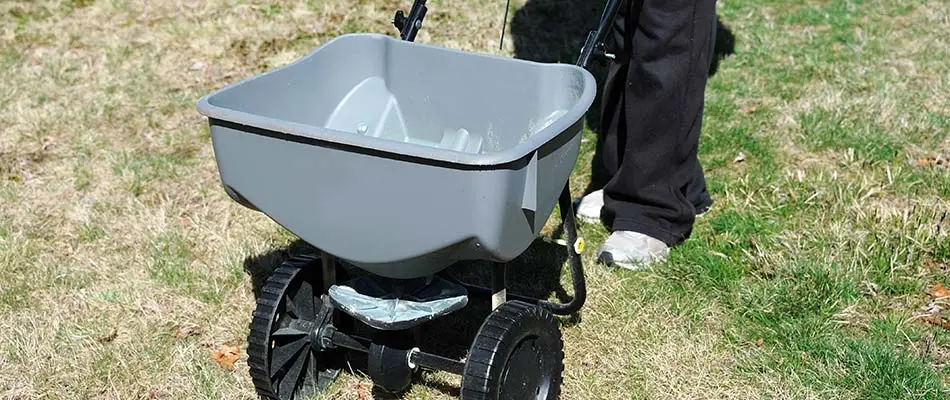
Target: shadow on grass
[[260, 267], [554, 31], [536, 274]]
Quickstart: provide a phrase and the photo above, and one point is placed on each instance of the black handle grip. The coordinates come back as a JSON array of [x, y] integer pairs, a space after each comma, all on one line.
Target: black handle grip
[[594, 46], [409, 26]]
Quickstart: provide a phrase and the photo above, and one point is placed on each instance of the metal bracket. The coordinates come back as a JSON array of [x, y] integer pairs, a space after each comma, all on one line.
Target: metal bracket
[[594, 46], [409, 25]]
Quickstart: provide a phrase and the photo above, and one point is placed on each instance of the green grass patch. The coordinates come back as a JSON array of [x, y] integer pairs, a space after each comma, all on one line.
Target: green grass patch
[[171, 262], [696, 266], [792, 317], [90, 232], [83, 176], [15, 296], [798, 292], [271, 10], [823, 130], [877, 370], [928, 180], [719, 256], [17, 272], [140, 170], [721, 147]]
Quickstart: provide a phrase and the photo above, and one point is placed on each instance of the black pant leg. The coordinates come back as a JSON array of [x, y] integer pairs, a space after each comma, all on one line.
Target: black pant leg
[[652, 143], [613, 94], [696, 191]]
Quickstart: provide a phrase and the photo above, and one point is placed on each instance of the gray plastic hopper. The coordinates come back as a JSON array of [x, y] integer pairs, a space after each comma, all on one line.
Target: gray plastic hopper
[[402, 158]]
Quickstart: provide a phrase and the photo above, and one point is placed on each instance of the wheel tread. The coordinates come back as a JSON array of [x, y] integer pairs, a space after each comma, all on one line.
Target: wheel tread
[[260, 326]]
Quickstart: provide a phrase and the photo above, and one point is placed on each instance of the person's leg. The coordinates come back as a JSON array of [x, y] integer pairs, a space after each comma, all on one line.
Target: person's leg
[[589, 207], [655, 141], [612, 132], [615, 89], [696, 191]]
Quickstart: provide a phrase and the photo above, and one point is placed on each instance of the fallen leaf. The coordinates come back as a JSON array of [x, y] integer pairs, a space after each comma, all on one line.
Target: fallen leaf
[[362, 392], [939, 292], [749, 109], [740, 158], [187, 330], [225, 356], [936, 320], [110, 337], [759, 342], [926, 161]]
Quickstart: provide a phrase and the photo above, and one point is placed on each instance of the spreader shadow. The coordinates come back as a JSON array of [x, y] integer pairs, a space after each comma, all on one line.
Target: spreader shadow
[[535, 274], [259, 267], [554, 31]]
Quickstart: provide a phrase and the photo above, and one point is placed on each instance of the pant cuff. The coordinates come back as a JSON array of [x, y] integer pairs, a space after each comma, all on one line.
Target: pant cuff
[[626, 224]]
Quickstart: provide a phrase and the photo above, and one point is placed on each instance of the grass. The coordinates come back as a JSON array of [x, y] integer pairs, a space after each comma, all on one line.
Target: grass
[[810, 278]]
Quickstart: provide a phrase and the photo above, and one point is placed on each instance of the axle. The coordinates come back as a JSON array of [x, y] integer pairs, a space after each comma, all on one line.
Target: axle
[[413, 358]]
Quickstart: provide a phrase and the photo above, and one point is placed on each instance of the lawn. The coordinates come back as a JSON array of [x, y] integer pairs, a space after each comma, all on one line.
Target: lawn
[[817, 274]]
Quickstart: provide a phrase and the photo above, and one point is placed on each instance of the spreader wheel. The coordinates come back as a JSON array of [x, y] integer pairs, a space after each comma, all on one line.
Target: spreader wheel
[[517, 354], [285, 360]]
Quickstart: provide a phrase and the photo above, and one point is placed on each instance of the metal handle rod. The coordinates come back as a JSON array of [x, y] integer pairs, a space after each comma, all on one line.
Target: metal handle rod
[[504, 24], [577, 266]]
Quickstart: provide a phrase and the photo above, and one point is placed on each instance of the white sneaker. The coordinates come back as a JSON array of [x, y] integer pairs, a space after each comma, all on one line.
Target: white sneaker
[[632, 250], [588, 208]]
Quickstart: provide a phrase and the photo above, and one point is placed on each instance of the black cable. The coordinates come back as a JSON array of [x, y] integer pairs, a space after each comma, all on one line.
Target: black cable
[[504, 24]]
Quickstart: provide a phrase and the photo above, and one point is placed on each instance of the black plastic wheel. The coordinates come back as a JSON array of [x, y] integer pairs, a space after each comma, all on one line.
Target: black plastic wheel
[[285, 363], [517, 354]]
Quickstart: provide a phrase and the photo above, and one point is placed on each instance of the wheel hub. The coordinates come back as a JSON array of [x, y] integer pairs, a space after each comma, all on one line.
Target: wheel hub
[[526, 376]]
